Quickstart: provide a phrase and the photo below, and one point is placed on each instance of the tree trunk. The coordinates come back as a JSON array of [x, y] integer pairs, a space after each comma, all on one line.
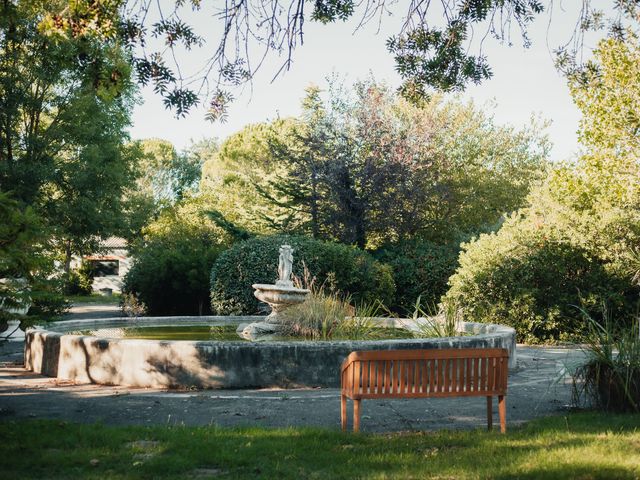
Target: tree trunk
[[67, 256], [315, 225], [361, 236], [351, 207]]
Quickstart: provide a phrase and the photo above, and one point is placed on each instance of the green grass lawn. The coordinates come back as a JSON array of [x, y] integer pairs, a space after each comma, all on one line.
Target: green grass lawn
[[94, 298], [584, 445]]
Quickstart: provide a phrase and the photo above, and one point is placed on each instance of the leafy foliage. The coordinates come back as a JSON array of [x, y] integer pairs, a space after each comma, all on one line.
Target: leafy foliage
[[166, 175], [532, 280], [345, 268], [131, 306], [429, 55], [420, 270], [574, 244], [436, 47], [47, 304], [64, 106], [26, 267], [367, 168], [19, 257], [79, 281], [240, 176], [170, 271], [163, 177], [610, 379]]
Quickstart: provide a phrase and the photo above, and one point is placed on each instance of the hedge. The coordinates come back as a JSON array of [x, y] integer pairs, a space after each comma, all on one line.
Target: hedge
[[351, 271]]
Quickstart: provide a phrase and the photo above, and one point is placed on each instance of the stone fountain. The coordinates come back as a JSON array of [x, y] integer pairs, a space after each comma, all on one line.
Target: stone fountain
[[279, 297]]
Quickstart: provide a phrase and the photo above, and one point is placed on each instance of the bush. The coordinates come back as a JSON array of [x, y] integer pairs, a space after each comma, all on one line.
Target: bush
[[170, 271], [348, 269], [610, 378], [170, 274], [532, 280], [131, 306], [79, 281], [47, 304], [420, 269]]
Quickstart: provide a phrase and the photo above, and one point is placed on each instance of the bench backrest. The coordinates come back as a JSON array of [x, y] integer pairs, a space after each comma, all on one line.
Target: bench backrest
[[425, 373]]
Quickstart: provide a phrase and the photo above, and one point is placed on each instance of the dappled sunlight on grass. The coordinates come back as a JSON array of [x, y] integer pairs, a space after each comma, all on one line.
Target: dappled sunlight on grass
[[579, 445]]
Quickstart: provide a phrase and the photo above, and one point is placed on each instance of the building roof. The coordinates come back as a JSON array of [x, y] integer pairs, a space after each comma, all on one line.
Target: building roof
[[113, 242]]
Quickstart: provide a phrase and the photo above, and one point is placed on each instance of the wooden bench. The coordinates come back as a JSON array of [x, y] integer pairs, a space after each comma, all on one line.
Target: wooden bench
[[452, 372]]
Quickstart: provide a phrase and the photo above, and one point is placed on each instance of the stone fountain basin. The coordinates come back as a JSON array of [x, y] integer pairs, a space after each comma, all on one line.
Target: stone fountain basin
[[215, 364], [279, 294]]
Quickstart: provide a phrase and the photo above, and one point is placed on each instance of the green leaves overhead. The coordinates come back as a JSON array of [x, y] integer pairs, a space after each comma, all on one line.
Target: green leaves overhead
[[436, 58], [430, 54], [327, 11], [436, 49]]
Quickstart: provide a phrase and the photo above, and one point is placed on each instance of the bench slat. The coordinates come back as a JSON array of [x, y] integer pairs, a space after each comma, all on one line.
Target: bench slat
[[387, 378], [365, 377], [492, 375]]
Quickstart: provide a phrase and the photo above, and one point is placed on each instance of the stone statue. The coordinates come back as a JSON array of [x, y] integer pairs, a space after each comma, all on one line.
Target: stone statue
[[285, 265], [279, 297]]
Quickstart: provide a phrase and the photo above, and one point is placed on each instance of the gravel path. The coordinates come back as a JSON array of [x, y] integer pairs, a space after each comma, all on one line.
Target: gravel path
[[93, 310]]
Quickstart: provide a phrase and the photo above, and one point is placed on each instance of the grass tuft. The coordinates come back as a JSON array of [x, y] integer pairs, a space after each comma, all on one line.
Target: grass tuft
[[610, 379]]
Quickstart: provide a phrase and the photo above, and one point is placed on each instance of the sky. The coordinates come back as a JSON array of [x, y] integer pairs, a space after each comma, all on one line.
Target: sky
[[525, 82]]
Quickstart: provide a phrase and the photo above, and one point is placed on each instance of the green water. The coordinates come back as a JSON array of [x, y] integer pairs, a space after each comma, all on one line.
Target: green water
[[228, 333], [182, 332]]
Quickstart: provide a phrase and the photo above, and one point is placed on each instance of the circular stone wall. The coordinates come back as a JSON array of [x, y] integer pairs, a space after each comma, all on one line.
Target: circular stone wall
[[216, 364]]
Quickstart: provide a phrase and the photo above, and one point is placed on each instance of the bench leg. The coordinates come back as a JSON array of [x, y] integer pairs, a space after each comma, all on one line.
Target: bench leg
[[343, 412], [489, 412], [502, 410], [356, 415]]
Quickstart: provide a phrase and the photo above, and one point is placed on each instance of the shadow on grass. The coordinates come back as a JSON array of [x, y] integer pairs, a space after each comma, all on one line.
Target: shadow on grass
[[578, 446]]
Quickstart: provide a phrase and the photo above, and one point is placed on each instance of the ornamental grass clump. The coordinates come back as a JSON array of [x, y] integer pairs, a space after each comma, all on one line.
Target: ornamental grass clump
[[443, 324], [610, 379], [326, 314]]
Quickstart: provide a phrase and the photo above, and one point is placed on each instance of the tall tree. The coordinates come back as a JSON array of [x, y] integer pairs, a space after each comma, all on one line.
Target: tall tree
[[166, 175], [64, 110], [84, 198], [304, 154], [241, 177], [576, 241], [370, 168], [163, 178], [367, 167]]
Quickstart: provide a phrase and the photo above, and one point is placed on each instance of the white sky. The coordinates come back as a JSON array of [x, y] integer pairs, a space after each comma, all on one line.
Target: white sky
[[525, 82]]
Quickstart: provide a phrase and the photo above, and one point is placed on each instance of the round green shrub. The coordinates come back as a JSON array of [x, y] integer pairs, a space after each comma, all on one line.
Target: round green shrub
[[170, 273], [420, 269], [350, 270], [536, 282], [79, 281]]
